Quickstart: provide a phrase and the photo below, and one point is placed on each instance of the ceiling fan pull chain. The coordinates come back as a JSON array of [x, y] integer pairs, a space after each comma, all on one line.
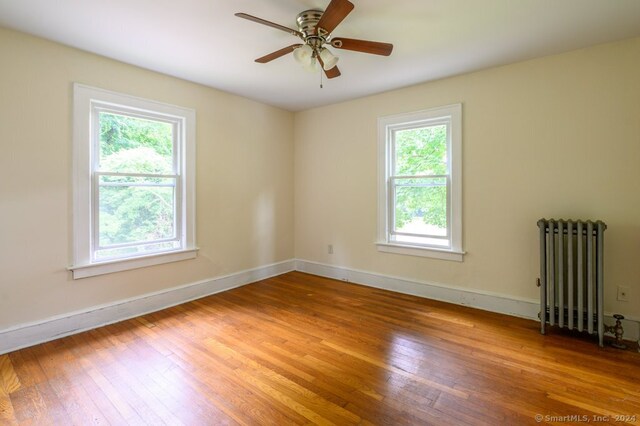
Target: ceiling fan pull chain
[[320, 79]]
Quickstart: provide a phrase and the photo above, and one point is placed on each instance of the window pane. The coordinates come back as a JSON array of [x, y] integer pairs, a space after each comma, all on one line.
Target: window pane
[[135, 145], [139, 210], [421, 151], [421, 206]]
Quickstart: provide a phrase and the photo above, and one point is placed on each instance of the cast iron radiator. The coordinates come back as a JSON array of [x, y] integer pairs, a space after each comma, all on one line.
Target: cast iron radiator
[[572, 275]]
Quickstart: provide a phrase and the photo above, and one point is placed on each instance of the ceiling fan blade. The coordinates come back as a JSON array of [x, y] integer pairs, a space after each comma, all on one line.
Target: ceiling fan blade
[[278, 53], [334, 14], [270, 24], [365, 46], [330, 73]]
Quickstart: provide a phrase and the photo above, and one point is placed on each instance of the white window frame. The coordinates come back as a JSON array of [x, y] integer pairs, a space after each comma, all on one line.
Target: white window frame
[[451, 116], [88, 102]]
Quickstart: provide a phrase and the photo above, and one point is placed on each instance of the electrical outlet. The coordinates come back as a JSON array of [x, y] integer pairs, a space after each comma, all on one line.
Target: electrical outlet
[[623, 293], [330, 248]]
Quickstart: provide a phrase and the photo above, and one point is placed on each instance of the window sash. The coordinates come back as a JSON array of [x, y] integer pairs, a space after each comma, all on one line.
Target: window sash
[[391, 214], [98, 107], [393, 129], [137, 244], [143, 175], [419, 177], [96, 173], [96, 246], [408, 234], [392, 178]]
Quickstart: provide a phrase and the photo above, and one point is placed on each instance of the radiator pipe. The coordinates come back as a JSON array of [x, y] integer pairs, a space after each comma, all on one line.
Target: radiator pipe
[[617, 331], [600, 282], [542, 281]]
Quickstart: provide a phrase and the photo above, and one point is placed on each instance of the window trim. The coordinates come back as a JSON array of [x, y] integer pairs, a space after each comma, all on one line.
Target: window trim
[[86, 100], [388, 124]]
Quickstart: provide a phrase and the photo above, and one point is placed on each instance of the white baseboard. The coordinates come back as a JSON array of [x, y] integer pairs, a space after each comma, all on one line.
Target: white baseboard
[[493, 302], [31, 334], [524, 308]]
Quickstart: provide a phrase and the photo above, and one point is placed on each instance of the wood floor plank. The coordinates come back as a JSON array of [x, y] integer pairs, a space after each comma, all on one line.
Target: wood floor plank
[[26, 366], [209, 376], [9, 383], [394, 369], [287, 387], [7, 414], [298, 349]]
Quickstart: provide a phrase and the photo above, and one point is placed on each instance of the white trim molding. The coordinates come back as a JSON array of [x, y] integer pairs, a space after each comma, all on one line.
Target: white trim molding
[[88, 104], [435, 253], [494, 302], [30, 334], [390, 240], [487, 301], [132, 263]]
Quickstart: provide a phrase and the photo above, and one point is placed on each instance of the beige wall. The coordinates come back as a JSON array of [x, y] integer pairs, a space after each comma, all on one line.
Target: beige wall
[[552, 137], [244, 180], [557, 136]]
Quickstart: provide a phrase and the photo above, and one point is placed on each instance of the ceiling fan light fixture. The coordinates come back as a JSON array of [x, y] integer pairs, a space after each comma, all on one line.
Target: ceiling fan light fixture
[[315, 28], [329, 60], [304, 55], [312, 66]]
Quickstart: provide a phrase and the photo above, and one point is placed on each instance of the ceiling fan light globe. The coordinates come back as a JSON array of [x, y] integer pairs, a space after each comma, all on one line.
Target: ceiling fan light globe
[[303, 55], [328, 59], [312, 66]]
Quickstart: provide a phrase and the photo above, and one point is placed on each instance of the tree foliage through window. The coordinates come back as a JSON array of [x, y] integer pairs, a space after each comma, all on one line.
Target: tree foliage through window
[[135, 208], [421, 197]]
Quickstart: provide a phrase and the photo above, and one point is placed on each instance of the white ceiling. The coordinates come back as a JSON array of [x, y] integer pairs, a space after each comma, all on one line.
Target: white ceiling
[[201, 40]]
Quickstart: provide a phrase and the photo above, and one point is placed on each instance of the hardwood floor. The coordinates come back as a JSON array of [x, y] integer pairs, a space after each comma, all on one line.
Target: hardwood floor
[[300, 349]]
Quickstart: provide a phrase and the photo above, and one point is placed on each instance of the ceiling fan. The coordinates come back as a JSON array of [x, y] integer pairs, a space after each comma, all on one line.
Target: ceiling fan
[[315, 28]]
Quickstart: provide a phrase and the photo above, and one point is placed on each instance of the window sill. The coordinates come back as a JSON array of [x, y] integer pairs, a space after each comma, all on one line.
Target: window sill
[[434, 253], [84, 271]]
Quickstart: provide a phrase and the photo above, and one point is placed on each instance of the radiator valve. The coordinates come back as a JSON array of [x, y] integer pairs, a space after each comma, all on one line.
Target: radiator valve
[[617, 331]]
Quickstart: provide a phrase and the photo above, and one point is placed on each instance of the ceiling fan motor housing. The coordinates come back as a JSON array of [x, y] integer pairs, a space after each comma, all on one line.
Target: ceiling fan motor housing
[[307, 22]]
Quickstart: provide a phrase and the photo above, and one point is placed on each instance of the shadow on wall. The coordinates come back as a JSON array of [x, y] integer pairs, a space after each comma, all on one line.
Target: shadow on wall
[[265, 228]]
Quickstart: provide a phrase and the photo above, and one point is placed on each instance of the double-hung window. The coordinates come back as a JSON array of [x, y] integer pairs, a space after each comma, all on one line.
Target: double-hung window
[[133, 182], [420, 197]]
